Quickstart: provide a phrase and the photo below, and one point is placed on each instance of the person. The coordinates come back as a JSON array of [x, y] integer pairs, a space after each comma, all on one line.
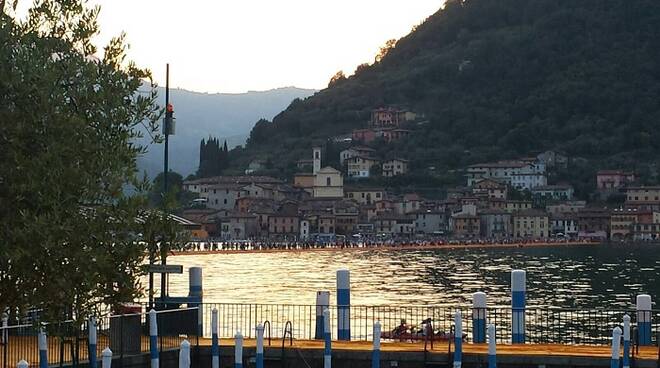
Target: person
[[401, 329]]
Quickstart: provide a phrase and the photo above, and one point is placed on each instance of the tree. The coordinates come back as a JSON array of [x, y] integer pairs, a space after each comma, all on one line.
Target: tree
[[70, 239], [385, 49], [179, 197], [337, 78]]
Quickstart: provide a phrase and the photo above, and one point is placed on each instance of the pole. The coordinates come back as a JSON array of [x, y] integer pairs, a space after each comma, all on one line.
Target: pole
[[492, 347], [107, 358], [518, 289], [458, 339], [343, 305], [260, 346], [616, 345], [322, 302], [43, 350], [163, 276], [479, 317], [626, 341], [153, 339], [184, 354], [215, 348], [327, 352], [375, 354], [238, 350], [91, 338]]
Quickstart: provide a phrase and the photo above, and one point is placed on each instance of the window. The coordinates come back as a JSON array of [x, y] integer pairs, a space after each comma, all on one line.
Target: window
[[214, 191], [225, 201], [327, 182], [316, 155]]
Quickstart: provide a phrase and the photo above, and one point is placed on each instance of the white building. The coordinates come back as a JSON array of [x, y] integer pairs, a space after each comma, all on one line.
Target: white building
[[521, 174]]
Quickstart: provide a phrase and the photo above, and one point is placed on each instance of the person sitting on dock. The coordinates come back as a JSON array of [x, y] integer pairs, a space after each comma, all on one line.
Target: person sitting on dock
[[400, 330]]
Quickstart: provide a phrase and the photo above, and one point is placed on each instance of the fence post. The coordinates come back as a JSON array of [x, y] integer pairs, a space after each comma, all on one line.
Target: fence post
[[238, 350], [196, 291], [215, 349], [107, 358], [616, 346], [43, 349], [327, 353], [518, 289], [5, 323], [322, 302], [644, 319], [458, 339], [479, 317], [626, 341], [260, 346], [91, 339], [184, 354], [22, 364], [375, 355], [343, 305], [153, 338], [492, 347]]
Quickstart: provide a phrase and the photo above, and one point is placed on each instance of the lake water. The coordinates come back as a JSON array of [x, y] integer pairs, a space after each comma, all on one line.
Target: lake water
[[603, 276]]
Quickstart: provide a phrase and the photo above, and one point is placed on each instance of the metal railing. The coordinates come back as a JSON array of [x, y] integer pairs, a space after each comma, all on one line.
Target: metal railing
[[125, 335]]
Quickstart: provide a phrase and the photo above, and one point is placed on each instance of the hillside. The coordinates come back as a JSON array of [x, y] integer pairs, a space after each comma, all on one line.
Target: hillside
[[226, 115], [497, 80]]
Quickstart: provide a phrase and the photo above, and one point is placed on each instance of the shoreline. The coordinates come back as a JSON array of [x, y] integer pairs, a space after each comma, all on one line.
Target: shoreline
[[391, 247]]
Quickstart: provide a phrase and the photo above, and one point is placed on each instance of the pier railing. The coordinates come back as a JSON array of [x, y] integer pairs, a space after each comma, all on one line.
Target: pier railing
[[542, 325]]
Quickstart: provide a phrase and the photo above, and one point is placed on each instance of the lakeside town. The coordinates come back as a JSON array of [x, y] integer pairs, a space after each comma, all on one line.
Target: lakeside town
[[501, 201]]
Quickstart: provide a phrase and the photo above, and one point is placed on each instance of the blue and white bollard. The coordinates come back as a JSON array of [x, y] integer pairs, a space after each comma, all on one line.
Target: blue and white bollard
[[492, 347], [22, 364], [260, 346], [616, 346], [184, 354], [644, 319], [43, 349], [238, 350], [196, 292], [479, 317], [327, 352], [375, 354], [153, 338], [518, 290], [343, 305], [626, 341], [106, 361], [215, 348], [322, 302], [91, 342], [458, 339]]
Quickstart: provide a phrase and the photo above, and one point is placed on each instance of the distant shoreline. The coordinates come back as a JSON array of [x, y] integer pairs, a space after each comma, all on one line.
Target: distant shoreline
[[392, 247]]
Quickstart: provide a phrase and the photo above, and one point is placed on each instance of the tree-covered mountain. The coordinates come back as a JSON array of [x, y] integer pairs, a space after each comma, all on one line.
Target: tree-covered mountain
[[200, 115], [499, 79]]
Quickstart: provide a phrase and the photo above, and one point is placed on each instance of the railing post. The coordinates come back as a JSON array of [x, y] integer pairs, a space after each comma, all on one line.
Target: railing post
[[479, 317], [327, 353], [238, 350], [91, 342], [322, 302], [518, 290], [375, 355], [195, 290], [215, 348], [616, 346], [644, 319], [153, 338], [492, 347], [43, 349], [107, 358], [260, 346], [458, 339], [343, 305], [184, 354], [22, 364], [626, 341]]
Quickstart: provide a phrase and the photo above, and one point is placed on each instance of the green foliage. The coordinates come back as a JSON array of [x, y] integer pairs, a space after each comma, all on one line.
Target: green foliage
[[177, 196], [70, 242], [501, 79], [213, 158]]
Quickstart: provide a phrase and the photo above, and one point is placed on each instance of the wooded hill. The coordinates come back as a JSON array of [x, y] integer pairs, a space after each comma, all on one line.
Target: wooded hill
[[499, 79]]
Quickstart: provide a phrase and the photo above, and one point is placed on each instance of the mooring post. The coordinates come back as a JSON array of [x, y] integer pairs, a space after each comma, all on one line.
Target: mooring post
[[375, 355], [479, 317], [43, 349], [644, 319], [343, 305], [616, 346], [153, 338], [106, 361], [260, 346], [184, 354], [518, 290], [238, 350], [91, 342], [215, 348], [22, 364], [458, 339], [196, 292], [327, 352], [492, 347], [626, 341], [322, 302]]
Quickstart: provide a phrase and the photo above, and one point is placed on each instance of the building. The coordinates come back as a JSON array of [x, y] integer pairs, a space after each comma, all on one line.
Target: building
[[364, 195], [643, 197], [515, 205], [466, 226], [239, 226], [360, 166], [222, 196], [346, 215], [553, 159], [530, 224], [565, 207], [328, 183], [386, 117], [326, 224], [430, 222], [394, 167], [304, 163], [363, 135], [490, 188], [521, 174], [353, 152], [564, 224], [622, 223], [495, 224], [593, 223], [304, 230], [202, 186], [254, 166], [646, 232], [304, 181], [559, 192], [608, 181], [391, 135], [394, 225]]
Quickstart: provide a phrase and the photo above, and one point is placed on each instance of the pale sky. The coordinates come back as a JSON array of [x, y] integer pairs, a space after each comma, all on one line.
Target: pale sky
[[240, 45]]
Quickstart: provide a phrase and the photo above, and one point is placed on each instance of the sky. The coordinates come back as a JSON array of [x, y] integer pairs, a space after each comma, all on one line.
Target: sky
[[236, 46]]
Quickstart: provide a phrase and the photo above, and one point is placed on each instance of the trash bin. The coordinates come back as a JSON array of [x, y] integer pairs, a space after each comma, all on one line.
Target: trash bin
[[125, 329]]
